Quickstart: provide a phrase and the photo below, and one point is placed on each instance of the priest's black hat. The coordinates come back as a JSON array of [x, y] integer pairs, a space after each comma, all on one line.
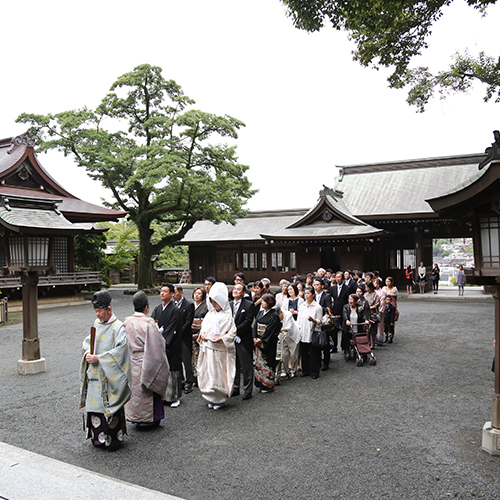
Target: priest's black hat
[[101, 299]]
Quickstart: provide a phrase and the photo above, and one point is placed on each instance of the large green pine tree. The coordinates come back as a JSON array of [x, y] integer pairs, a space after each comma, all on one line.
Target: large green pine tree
[[153, 150]]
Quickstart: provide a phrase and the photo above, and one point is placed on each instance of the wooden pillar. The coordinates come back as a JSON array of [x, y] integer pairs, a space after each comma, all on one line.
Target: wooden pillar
[[31, 344], [495, 412]]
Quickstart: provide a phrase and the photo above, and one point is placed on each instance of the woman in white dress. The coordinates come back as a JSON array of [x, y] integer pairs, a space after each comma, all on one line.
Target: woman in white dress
[[217, 358]]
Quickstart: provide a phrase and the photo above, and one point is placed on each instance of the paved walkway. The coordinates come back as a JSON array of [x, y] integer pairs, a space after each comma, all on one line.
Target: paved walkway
[[409, 427], [25, 475], [450, 293]]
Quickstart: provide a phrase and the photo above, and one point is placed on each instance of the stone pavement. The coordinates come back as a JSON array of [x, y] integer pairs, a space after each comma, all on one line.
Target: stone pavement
[[409, 427], [26, 475]]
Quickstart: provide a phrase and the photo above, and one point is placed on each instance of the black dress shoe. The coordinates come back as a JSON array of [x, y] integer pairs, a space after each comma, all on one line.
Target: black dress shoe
[[314, 376], [324, 368], [305, 374], [188, 388], [247, 396], [235, 393]]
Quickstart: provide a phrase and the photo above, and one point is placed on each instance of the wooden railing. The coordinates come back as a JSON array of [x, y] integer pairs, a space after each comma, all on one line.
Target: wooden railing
[[77, 278]]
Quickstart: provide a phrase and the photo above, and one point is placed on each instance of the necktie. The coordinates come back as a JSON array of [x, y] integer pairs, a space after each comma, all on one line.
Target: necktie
[[235, 308]]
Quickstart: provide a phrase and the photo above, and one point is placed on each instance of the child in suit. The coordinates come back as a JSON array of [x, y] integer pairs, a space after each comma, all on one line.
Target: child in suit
[[389, 320]]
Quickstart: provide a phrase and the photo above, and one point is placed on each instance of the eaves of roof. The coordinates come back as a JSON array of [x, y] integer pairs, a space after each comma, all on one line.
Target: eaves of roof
[[478, 190], [73, 208], [35, 221], [14, 151]]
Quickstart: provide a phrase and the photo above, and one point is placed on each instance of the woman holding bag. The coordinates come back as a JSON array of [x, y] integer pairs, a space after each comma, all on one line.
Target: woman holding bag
[[373, 315], [310, 315], [435, 278]]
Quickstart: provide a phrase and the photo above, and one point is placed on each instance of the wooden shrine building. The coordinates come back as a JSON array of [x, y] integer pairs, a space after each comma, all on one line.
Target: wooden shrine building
[[31, 198], [375, 217]]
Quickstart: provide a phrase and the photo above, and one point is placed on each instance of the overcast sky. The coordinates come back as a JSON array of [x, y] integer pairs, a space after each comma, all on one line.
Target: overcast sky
[[306, 105]]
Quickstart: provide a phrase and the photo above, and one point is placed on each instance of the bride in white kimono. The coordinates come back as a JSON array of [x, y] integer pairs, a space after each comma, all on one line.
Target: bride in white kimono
[[217, 359]]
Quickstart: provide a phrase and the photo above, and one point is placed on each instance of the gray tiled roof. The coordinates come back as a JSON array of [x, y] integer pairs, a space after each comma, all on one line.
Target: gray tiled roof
[[247, 229], [401, 188], [369, 191], [326, 230], [276, 225], [19, 219]]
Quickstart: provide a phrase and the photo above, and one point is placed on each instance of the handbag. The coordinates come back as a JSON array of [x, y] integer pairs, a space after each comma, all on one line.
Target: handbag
[[375, 317], [319, 338], [328, 322]]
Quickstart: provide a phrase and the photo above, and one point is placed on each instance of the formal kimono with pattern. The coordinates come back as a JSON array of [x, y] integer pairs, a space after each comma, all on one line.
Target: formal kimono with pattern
[[150, 369]]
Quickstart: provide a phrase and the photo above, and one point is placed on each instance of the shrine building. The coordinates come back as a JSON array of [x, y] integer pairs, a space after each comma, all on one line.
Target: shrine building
[[32, 202], [374, 217]]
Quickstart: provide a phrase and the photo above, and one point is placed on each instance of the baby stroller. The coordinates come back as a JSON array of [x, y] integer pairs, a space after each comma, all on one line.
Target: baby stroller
[[359, 346]]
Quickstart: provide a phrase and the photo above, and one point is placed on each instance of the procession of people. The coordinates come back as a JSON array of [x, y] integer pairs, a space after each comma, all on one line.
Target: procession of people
[[227, 342]]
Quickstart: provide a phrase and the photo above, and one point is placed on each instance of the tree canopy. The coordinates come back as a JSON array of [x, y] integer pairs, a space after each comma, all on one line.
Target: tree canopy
[[89, 250], [147, 144], [389, 33], [125, 253]]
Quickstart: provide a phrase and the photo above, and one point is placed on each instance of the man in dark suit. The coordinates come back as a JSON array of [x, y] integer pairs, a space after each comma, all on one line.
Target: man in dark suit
[[243, 314], [324, 299], [321, 273], [267, 286], [186, 307], [321, 296], [240, 278], [167, 315], [339, 292], [360, 282], [349, 281]]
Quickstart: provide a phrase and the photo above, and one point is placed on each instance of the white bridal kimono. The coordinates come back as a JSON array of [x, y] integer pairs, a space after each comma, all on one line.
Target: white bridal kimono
[[217, 360]]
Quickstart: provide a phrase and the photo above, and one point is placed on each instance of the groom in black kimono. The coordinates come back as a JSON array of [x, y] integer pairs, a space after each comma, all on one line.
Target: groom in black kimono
[[167, 314]]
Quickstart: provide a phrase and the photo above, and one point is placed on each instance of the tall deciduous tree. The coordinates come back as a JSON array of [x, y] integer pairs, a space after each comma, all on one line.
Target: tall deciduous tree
[[390, 33], [148, 145]]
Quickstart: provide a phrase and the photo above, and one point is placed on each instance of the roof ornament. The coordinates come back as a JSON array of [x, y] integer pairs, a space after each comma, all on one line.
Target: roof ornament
[[333, 193], [6, 203], [493, 152], [20, 140], [56, 208]]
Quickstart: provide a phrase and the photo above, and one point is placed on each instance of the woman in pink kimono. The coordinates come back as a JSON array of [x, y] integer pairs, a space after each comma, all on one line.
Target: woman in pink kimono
[[150, 370], [217, 358]]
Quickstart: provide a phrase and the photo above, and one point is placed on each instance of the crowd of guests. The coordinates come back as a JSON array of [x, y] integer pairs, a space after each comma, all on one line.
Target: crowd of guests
[[224, 342], [421, 276]]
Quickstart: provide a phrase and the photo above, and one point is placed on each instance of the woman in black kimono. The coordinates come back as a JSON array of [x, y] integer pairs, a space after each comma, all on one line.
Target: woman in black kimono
[[435, 278], [200, 311], [266, 329]]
